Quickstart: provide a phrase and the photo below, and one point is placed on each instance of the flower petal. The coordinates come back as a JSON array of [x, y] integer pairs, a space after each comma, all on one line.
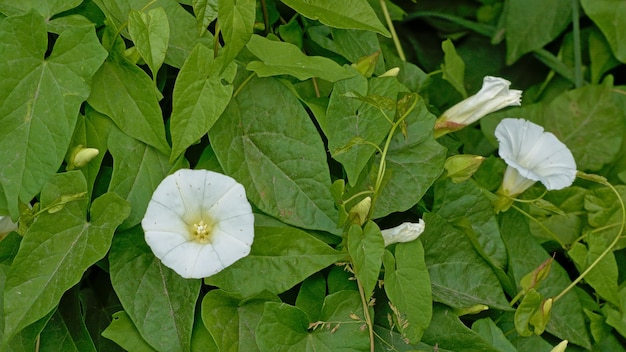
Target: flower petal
[[537, 155], [229, 249], [193, 260]]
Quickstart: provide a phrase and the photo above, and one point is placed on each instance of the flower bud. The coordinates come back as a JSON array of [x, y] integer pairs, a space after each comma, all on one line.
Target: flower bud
[[81, 156], [358, 213], [463, 166], [367, 64], [405, 232], [560, 347], [392, 72], [493, 96]]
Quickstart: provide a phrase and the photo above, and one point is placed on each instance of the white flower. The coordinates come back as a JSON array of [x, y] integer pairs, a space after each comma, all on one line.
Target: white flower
[[198, 222], [532, 155], [405, 232], [493, 96], [6, 226]]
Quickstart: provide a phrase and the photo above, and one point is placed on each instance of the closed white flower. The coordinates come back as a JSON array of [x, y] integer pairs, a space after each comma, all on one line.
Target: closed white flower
[[533, 155], [198, 222], [493, 96], [405, 232]]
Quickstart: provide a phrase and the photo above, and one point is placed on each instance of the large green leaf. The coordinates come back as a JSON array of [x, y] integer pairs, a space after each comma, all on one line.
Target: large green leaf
[[125, 93], [447, 331], [366, 247], [280, 58], [184, 34], [159, 301], [280, 258], [236, 21], [201, 94], [604, 276], [413, 163], [124, 333], [608, 15], [355, 44], [137, 171], [39, 100], [66, 330], [347, 14], [286, 328], [233, 321], [150, 31], [453, 67], [489, 331], [205, 11], [407, 285], [266, 140], [525, 255], [531, 24], [58, 248], [460, 277], [46, 8]]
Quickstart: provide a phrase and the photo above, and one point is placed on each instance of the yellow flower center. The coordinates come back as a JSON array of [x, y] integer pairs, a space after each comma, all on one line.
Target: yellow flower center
[[202, 231]]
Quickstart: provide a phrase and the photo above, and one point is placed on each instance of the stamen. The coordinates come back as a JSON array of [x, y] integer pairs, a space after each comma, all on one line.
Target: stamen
[[202, 232]]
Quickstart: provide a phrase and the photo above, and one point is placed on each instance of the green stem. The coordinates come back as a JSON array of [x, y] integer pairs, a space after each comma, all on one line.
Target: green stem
[[555, 64], [216, 39], [392, 30], [266, 17], [608, 249], [543, 227], [243, 84], [578, 74], [366, 311]]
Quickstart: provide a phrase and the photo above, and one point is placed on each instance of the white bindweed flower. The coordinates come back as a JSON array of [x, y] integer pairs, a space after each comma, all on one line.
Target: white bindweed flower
[[532, 155], [405, 232], [6, 226], [493, 96], [198, 222]]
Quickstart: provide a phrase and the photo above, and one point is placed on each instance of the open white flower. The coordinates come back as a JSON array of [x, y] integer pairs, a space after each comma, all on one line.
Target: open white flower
[[493, 96], [405, 232], [198, 222], [532, 155]]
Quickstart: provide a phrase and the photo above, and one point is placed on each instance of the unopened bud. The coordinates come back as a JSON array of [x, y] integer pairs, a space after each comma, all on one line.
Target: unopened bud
[[358, 213], [81, 156], [560, 347], [404, 232], [367, 64], [392, 72], [463, 166]]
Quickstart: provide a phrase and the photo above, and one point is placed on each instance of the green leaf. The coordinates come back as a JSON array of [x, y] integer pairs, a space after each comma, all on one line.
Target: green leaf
[[600, 54], [279, 259], [567, 227], [407, 285], [414, 163], [184, 34], [348, 14], [567, 319], [577, 117], [489, 331], [150, 31], [125, 334], [158, 301], [119, 91], [137, 171], [356, 44], [448, 332], [232, 321], [286, 328], [311, 296], [201, 339], [66, 330], [524, 313], [201, 94], [453, 67], [366, 247], [57, 249], [606, 14], [279, 158], [531, 24], [46, 8], [280, 58], [460, 277], [236, 21], [206, 12], [603, 277], [40, 98]]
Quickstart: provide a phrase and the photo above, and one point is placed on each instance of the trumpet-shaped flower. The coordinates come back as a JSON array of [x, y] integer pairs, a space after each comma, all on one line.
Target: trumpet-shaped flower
[[493, 96], [532, 155], [405, 232], [198, 222]]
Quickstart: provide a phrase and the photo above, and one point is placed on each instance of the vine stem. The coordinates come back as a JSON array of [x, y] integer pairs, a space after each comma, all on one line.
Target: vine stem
[[392, 30], [243, 84], [611, 246], [543, 227], [578, 74], [366, 311]]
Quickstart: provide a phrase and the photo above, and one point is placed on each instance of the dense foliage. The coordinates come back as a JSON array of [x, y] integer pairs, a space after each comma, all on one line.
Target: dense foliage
[[325, 112]]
